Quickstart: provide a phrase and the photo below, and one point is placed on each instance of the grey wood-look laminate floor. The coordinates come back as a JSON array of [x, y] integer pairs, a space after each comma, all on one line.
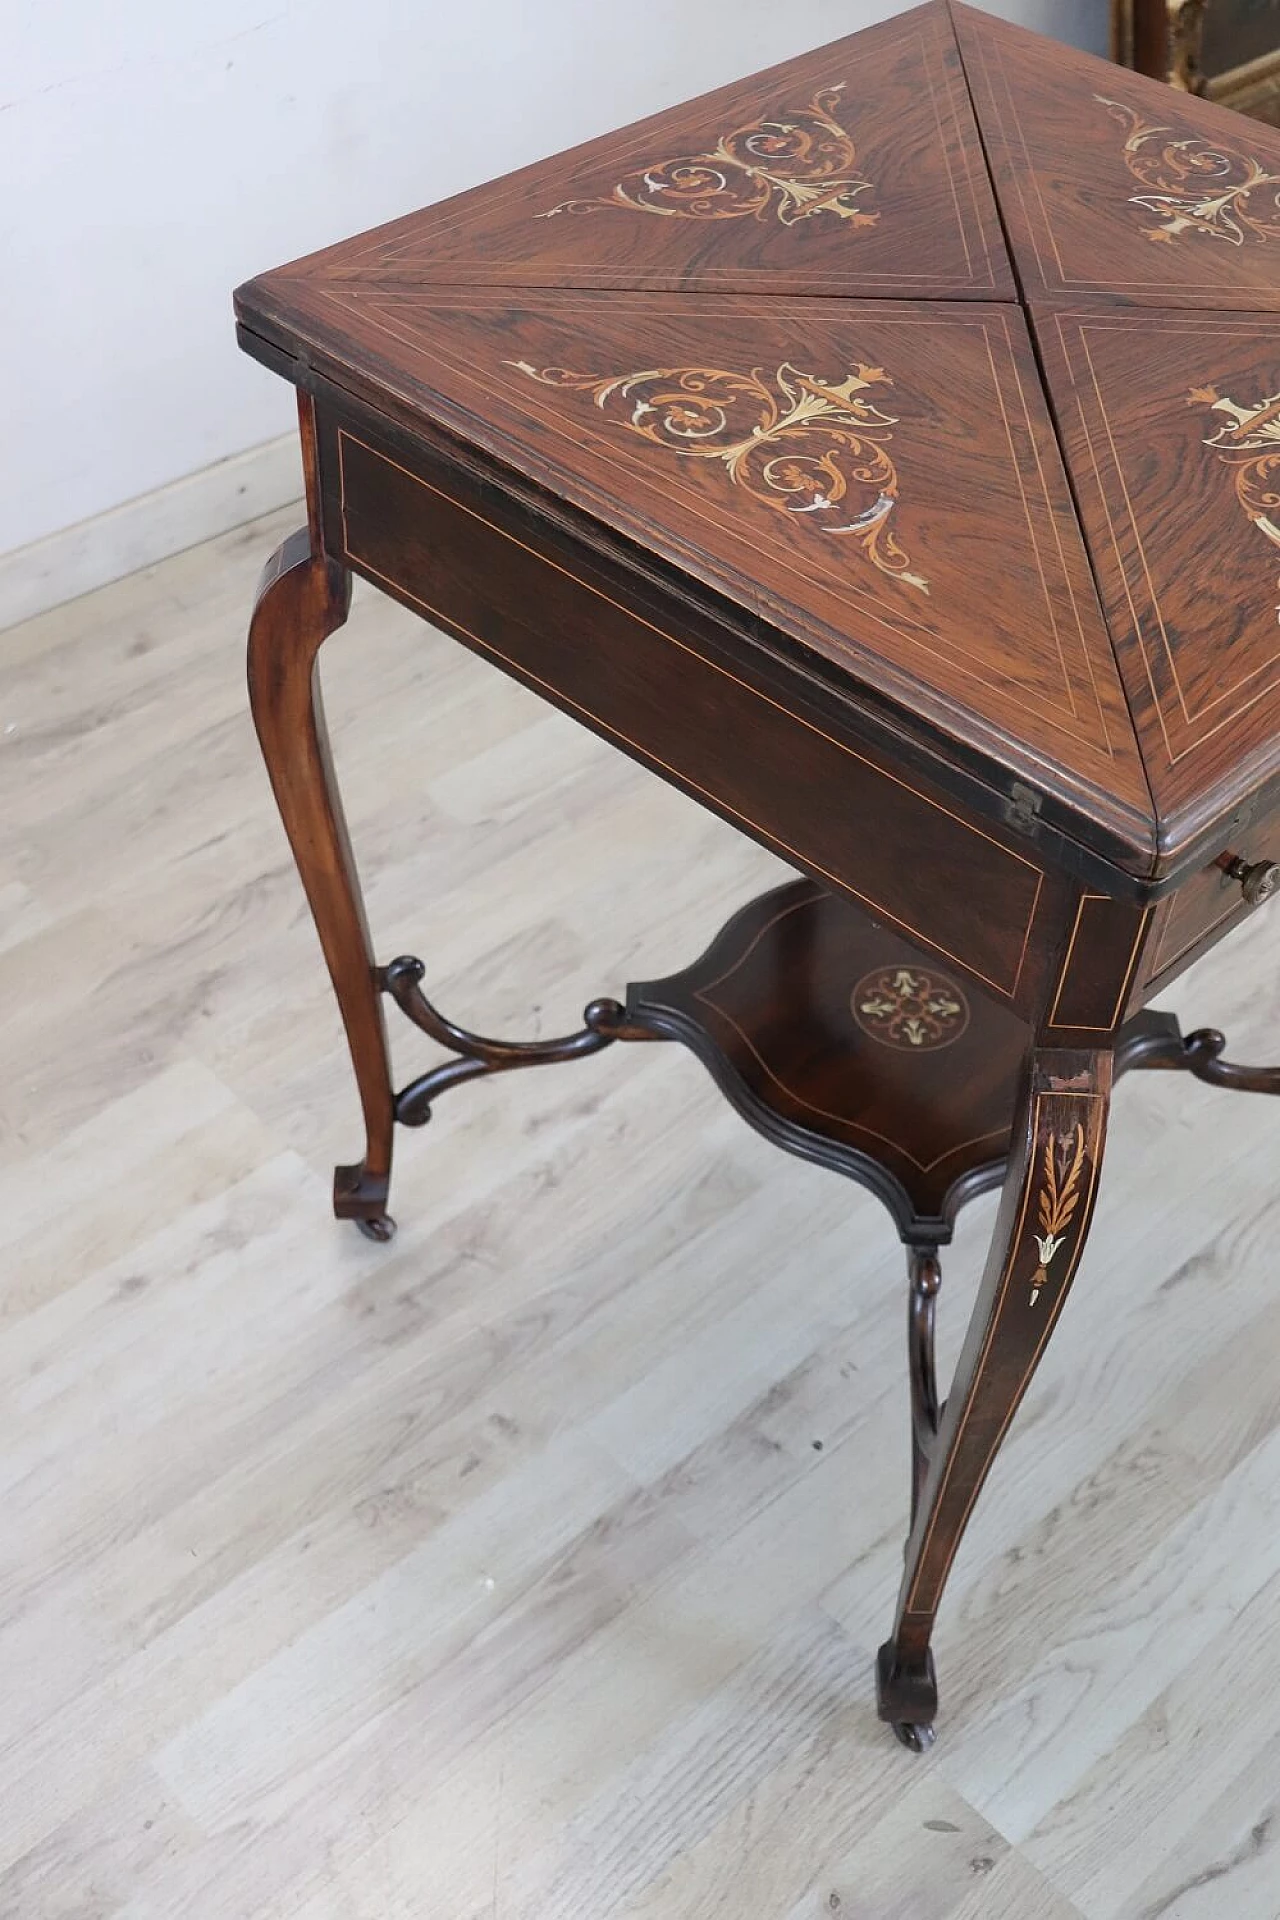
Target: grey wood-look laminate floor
[[532, 1568]]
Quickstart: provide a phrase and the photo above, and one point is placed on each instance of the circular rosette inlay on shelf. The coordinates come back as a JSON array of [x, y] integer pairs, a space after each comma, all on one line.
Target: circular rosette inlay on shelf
[[910, 1008]]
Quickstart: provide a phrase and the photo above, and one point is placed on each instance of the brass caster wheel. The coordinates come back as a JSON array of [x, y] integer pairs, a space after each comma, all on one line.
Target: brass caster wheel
[[902, 1689], [381, 1228]]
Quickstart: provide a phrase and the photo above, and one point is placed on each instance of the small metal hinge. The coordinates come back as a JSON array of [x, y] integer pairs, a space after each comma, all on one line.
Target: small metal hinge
[[1022, 808]]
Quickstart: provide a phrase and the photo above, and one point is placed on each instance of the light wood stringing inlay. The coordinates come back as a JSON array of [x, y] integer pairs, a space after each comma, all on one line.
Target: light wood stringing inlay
[[1067, 635]]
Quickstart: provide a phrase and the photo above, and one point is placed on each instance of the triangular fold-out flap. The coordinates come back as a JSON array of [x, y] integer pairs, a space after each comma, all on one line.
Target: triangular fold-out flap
[[1113, 184], [856, 169], [1171, 426], [880, 480]]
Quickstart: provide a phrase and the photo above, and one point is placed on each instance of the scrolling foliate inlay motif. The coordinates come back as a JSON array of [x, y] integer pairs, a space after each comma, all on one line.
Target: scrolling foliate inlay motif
[[807, 446], [1196, 185], [792, 168], [1248, 440]]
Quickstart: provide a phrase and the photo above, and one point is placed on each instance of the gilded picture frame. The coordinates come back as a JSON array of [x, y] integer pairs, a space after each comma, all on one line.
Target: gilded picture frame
[[1227, 50]]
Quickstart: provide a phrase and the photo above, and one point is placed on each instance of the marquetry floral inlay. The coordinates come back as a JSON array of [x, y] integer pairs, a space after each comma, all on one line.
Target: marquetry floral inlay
[[810, 447], [909, 1008], [1248, 440], [1195, 185], [1059, 1199], [796, 166]]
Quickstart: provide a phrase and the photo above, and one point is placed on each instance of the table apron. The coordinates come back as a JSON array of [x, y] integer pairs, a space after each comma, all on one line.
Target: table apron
[[644, 683]]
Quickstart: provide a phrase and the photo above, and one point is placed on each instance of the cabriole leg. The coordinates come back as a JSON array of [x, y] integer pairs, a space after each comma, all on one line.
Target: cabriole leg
[[1043, 1221], [301, 600]]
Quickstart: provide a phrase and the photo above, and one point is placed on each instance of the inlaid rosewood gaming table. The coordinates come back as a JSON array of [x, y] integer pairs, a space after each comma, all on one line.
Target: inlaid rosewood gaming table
[[886, 452]]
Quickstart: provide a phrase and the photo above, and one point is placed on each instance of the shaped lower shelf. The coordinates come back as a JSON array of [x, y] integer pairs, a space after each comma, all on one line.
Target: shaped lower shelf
[[835, 1039]]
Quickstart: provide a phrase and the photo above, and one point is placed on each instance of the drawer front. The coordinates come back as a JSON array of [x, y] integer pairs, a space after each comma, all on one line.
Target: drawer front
[[1209, 904], [643, 684]]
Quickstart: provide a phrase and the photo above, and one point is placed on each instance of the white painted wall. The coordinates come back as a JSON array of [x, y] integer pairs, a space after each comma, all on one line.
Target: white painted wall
[[154, 153]]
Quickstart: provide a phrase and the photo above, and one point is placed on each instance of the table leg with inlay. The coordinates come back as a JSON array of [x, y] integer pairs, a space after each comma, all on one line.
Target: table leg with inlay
[[1045, 1213]]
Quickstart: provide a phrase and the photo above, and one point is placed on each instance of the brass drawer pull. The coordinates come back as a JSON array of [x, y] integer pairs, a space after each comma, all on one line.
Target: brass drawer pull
[[1257, 881]]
